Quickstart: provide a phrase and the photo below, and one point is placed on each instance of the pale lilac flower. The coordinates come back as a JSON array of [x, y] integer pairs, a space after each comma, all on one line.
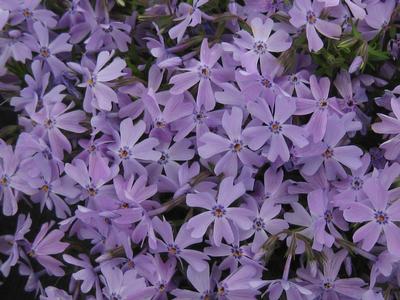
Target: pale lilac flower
[[49, 186], [219, 212], [390, 125], [124, 286], [380, 216], [265, 222], [326, 284], [330, 153], [29, 12], [10, 244], [274, 128], [233, 147], [93, 179], [243, 283], [55, 293], [177, 246], [127, 148], [51, 118], [108, 36], [189, 16], [45, 244], [47, 50], [87, 274], [321, 107], [258, 47], [95, 78], [201, 281], [305, 12], [10, 180], [203, 72]]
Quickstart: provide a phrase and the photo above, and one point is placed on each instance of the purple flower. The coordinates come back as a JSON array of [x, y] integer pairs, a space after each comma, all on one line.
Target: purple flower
[[10, 244], [49, 186], [87, 274], [189, 15], [380, 215], [265, 221], [219, 212], [128, 285], [329, 153], [109, 35], [11, 180], [55, 293], [232, 148], [177, 247], [30, 12], [350, 189], [274, 128], [203, 72], [243, 283], [326, 284], [158, 273], [305, 12], [37, 93], [201, 281], [258, 47], [98, 94], [93, 180], [321, 107], [51, 118], [390, 125], [45, 244], [15, 45], [127, 148], [47, 50]]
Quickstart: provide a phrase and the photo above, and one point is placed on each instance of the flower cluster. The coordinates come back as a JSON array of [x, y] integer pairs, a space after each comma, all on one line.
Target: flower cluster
[[200, 149]]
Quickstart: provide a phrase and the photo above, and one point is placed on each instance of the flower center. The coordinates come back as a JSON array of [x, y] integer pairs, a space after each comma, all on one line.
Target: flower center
[[45, 188], [323, 103], [205, 71], [4, 180], [221, 291], [293, 79], [199, 116], [237, 252], [160, 123], [91, 81], [260, 47], [206, 296], [173, 249], [311, 18], [266, 83], [124, 205], [124, 153], [91, 148], [163, 158], [357, 183], [49, 123], [381, 217], [161, 287], [218, 211], [92, 191], [237, 146], [328, 285], [27, 13], [108, 28], [328, 216], [45, 52], [328, 153], [258, 224], [275, 127]]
